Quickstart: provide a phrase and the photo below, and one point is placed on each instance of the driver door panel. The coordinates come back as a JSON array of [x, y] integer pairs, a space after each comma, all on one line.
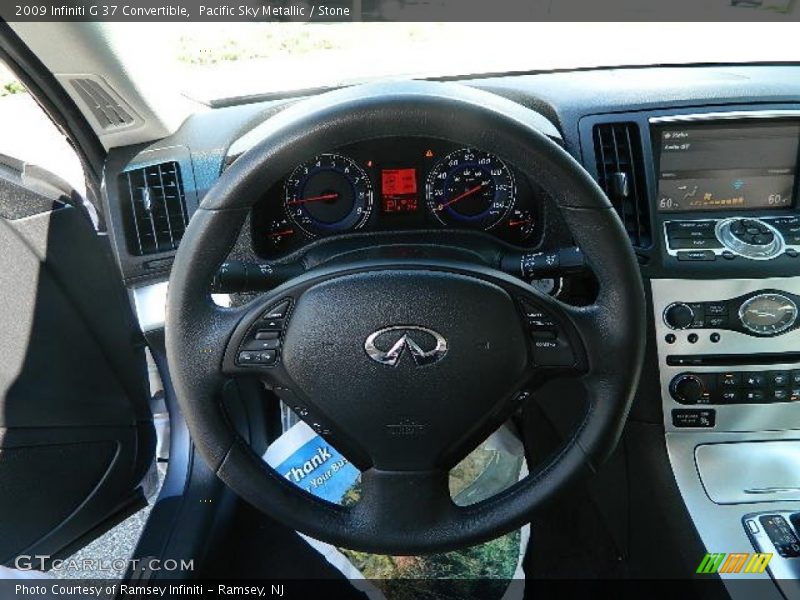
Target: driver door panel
[[76, 433]]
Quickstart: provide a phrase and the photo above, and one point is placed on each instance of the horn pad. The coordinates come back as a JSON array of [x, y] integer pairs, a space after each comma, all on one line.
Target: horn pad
[[407, 363]]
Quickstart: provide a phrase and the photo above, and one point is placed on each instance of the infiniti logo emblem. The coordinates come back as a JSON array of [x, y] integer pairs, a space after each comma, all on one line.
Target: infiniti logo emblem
[[386, 346]]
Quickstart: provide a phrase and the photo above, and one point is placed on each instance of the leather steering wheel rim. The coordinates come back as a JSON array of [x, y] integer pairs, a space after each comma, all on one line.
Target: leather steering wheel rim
[[197, 331]]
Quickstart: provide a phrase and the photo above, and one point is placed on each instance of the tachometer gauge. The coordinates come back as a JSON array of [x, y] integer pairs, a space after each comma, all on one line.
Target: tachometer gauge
[[328, 194], [768, 314], [470, 188]]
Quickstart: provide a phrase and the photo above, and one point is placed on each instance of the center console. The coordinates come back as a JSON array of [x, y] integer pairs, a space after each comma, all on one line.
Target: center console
[[725, 306]]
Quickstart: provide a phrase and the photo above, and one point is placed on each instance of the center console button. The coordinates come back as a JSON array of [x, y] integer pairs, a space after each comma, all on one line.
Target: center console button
[[779, 378], [694, 243], [697, 255], [753, 396], [795, 378], [780, 395], [731, 396], [730, 380], [689, 389], [716, 309], [753, 380], [678, 315]]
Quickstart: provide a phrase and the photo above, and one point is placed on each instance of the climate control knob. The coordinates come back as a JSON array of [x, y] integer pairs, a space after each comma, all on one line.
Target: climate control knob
[[688, 389], [678, 315]]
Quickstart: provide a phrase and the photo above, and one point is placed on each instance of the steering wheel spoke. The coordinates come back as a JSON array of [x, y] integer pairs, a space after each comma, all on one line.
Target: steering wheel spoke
[[397, 499]]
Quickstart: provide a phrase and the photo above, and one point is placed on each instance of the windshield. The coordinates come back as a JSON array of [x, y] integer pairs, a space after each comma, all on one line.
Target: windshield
[[230, 60]]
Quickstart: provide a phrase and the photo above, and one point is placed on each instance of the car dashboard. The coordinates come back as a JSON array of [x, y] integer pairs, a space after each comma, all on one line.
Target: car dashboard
[[701, 165]]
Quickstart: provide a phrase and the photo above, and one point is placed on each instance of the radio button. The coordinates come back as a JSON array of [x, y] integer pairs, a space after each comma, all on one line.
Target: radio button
[[694, 243], [697, 255]]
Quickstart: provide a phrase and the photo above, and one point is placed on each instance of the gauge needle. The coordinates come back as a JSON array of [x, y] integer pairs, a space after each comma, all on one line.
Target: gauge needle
[[469, 192], [331, 196], [281, 233], [518, 223]]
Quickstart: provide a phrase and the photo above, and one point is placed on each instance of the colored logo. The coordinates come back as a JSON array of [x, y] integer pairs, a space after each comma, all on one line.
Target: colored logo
[[735, 562]]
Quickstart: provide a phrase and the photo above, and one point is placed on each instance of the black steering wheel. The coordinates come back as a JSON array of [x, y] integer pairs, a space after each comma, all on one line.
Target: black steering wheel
[[405, 361]]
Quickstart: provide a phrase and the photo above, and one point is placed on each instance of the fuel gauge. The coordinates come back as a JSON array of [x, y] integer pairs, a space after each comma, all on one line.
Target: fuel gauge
[[279, 233], [520, 224]]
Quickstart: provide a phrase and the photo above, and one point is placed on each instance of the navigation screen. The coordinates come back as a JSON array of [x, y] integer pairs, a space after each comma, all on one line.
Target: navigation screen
[[727, 167]]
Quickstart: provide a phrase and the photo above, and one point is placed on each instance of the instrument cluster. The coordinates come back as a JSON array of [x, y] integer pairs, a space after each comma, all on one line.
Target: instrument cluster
[[397, 184]]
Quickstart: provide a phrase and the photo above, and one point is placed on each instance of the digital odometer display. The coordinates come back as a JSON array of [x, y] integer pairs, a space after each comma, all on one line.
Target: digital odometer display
[[727, 167]]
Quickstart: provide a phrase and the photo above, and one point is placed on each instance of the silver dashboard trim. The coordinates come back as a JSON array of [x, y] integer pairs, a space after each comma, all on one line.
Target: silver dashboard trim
[[150, 304], [725, 116]]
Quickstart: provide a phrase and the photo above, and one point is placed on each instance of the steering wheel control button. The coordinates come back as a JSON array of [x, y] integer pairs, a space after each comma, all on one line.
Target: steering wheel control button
[[751, 238], [263, 345], [678, 316], [693, 417], [273, 324], [267, 335], [266, 357], [277, 312]]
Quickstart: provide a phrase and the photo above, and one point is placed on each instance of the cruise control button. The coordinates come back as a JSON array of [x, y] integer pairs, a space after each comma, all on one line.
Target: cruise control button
[[795, 377], [552, 353], [263, 345], [277, 312], [267, 335], [274, 324]]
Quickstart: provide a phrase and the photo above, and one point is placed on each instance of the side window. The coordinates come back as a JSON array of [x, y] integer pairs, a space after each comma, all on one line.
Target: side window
[[30, 136]]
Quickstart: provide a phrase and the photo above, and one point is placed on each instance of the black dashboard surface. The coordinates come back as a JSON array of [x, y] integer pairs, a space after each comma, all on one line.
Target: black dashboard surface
[[571, 101]]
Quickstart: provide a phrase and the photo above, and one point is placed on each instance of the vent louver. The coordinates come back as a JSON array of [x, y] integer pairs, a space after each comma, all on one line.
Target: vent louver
[[620, 169], [156, 208], [108, 112]]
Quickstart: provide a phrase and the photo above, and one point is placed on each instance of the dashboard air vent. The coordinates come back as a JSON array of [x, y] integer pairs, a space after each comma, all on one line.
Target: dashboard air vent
[[108, 112], [620, 169], [156, 208]]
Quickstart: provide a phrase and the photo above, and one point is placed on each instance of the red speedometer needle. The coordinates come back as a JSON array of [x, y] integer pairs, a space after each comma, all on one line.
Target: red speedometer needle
[[469, 192], [282, 233], [518, 223], [331, 196]]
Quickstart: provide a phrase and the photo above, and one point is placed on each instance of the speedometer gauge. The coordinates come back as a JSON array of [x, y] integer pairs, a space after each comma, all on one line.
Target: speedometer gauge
[[328, 194], [470, 188]]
